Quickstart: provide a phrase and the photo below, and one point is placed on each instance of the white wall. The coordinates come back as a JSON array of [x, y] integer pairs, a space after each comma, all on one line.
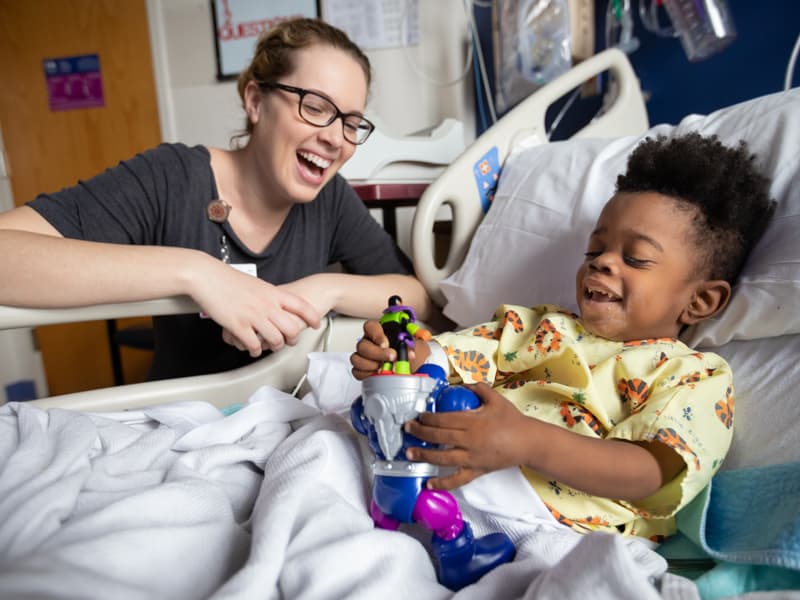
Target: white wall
[[195, 108]]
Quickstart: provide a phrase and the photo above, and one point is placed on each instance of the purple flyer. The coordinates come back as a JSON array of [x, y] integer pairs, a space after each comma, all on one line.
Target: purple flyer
[[74, 82]]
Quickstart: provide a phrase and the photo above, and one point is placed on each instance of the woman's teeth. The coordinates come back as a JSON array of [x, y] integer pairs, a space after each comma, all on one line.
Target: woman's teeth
[[315, 160]]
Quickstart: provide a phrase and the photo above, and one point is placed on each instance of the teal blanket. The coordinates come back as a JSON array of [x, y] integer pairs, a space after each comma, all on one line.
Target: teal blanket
[[748, 522]]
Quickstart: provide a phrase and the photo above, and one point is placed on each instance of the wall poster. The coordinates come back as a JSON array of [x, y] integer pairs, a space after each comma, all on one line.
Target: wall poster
[[73, 82], [238, 23]]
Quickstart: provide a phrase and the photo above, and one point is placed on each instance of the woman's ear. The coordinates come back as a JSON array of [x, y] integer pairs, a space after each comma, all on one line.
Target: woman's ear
[[709, 299], [252, 101]]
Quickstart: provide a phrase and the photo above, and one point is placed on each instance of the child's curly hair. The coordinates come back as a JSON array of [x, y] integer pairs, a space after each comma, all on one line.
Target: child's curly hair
[[722, 184]]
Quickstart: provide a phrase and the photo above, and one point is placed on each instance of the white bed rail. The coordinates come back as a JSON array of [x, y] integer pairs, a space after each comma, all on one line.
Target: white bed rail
[[282, 370], [457, 187], [13, 317]]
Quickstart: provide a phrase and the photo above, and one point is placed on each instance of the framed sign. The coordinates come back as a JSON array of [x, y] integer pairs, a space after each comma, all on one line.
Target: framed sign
[[74, 82], [238, 23]]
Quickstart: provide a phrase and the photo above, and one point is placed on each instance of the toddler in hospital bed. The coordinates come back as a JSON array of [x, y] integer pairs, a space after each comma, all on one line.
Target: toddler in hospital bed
[[614, 422]]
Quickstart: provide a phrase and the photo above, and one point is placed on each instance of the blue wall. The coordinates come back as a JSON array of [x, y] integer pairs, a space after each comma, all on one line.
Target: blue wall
[[753, 65]]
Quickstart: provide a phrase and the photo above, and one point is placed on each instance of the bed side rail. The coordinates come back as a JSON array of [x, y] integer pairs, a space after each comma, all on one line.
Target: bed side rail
[[458, 186], [282, 370], [12, 317]]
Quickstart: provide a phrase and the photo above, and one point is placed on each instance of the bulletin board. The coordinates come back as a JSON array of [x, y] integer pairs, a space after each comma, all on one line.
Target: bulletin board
[[238, 23], [375, 24]]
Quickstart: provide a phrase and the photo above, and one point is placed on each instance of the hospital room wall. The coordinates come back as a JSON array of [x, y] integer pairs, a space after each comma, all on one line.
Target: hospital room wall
[[198, 109]]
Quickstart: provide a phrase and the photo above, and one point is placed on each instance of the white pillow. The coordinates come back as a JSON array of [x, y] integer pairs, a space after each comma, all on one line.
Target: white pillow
[[529, 245], [766, 377]]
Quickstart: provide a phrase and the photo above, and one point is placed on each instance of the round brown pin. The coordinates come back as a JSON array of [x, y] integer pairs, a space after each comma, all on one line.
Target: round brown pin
[[218, 211]]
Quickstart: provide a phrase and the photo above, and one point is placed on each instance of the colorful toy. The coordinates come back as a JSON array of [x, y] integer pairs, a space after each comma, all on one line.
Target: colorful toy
[[399, 494], [400, 326]]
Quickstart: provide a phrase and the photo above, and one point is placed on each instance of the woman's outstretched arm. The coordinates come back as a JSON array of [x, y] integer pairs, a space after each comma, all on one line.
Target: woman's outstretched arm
[[42, 269]]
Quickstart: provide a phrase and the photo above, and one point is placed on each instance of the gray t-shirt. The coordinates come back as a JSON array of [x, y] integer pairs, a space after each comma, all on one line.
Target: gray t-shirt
[[160, 197]]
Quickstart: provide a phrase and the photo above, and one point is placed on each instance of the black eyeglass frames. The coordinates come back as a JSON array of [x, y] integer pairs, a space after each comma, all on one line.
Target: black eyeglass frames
[[317, 110]]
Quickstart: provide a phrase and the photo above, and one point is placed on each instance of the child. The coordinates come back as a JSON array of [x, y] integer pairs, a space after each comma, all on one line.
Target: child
[[614, 422]]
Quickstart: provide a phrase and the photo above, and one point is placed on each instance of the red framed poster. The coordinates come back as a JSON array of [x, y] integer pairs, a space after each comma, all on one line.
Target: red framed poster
[[238, 23]]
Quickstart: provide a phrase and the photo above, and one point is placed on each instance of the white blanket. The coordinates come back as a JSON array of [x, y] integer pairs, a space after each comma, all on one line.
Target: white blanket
[[172, 503]]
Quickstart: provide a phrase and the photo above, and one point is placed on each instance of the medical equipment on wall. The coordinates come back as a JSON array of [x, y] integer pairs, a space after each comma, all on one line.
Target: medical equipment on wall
[[532, 47], [787, 81], [704, 26], [418, 157], [652, 13], [619, 26]]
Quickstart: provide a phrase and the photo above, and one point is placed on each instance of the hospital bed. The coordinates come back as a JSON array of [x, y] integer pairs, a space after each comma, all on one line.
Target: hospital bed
[[250, 482]]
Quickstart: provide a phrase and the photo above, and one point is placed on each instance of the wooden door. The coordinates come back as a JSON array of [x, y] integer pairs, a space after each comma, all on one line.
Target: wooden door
[[48, 150]]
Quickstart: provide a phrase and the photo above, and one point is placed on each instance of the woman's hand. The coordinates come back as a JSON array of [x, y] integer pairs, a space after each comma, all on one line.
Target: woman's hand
[[254, 315], [494, 436]]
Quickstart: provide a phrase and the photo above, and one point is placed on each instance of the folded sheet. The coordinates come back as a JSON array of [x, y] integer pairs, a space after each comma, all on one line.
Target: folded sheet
[[748, 521], [749, 516]]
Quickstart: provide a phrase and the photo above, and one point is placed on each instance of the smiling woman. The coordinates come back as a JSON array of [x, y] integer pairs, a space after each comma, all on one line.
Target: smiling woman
[[142, 230]]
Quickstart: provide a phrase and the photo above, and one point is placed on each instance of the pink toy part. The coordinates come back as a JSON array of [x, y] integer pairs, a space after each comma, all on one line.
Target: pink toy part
[[438, 511], [381, 520]]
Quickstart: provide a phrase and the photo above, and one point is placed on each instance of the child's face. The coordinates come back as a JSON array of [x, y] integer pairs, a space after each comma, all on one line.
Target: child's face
[[639, 273]]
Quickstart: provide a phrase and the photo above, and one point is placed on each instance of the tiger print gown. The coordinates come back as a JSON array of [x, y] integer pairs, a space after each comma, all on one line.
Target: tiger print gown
[[545, 362]]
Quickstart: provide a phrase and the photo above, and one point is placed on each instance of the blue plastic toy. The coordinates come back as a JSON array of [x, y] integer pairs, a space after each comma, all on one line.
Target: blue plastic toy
[[399, 494]]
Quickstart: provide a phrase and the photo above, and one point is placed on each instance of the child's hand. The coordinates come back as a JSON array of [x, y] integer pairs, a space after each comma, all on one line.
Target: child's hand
[[479, 441], [372, 351]]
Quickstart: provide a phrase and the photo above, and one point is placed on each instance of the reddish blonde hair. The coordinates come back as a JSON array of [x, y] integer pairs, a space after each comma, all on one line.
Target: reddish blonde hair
[[277, 46]]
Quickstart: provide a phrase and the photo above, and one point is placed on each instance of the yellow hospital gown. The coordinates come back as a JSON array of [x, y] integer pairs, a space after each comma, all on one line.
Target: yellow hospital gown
[[551, 368]]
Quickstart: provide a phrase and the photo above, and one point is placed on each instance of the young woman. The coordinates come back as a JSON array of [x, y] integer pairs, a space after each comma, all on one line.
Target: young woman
[[176, 220]]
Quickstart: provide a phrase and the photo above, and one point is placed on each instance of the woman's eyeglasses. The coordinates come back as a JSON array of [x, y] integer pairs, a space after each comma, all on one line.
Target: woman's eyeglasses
[[319, 111]]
